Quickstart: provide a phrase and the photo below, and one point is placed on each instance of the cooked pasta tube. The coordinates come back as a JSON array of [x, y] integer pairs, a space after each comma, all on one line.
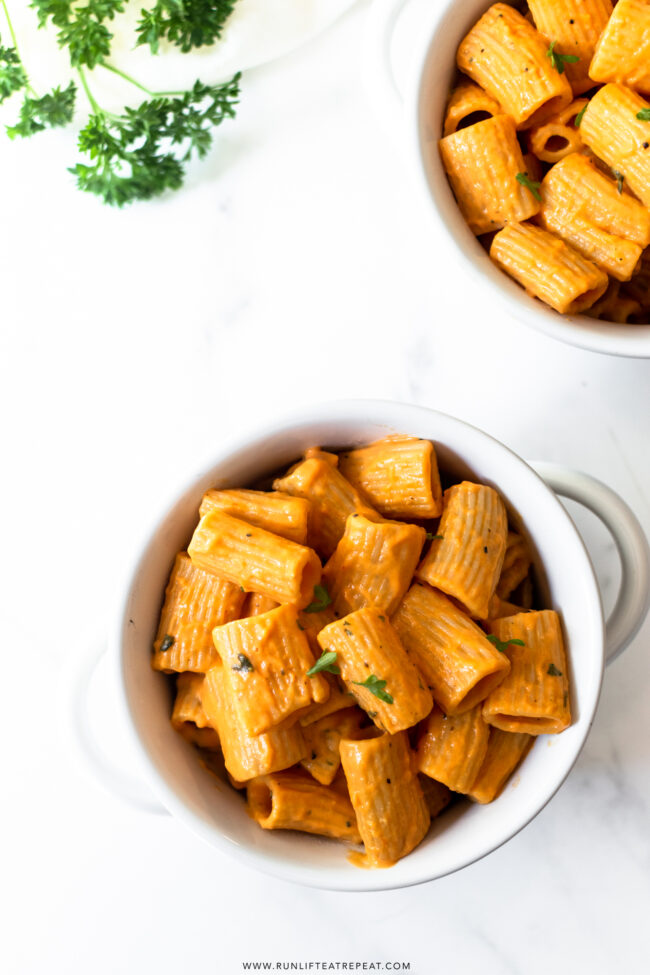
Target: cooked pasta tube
[[504, 753], [392, 814], [376, 669], [255, 559], [516, 565], [458, 662], [638, 287], [321, 454], [399, 476], [467, 105], [188, 716], [293, 800], [465, 560], [339, 700], [266, 660], [534, 696], [558, 136], [532, 167], [585, 208], [436, 795], [332, 498], [322, 739], [501, 607], [614, 306], [313, 622], [611, 127], [373, 564], [574, 28], [195, 602], [483, 163], [451, 749], [622, 53], [505, 55], [256, 604], [548, 268], [247, 756], [274, 511]]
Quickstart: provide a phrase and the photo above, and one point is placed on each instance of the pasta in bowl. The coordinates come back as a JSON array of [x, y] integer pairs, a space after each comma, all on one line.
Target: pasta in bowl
[[387, 707]]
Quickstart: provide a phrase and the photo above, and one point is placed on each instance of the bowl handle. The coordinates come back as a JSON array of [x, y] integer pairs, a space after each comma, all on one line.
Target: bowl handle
[[633, 599], [122, 786], [377, 69]]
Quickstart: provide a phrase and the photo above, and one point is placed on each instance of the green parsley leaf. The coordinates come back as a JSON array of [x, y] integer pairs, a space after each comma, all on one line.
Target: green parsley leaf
[[244, 666], [560, 60], [81, 28], [326, 661], [322, 600], [501, 645], [12, 73], [578, 119], [431, 537], [53, 110], [376, 687], [530, 184], [187, 24], [140, 154], [167, 643], [619, 179], [643, 115], [553, 671]]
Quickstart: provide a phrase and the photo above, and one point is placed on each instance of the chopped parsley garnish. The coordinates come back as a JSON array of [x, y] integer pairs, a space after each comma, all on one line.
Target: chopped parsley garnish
[[643, 115], [553, 671], [167, 643], [619, 179], [244, 666], [530, 184], [431, 537], [578, 119], [322, 600], [326, 661], [501, 645], [560, 60], [376, 686]]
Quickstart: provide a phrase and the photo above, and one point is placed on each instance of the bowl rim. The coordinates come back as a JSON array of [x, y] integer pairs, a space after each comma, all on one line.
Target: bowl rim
[[413, 870], [608, 338]]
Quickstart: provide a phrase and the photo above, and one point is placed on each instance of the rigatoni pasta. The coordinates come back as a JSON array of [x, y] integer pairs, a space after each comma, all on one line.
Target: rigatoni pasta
[[469, 104], [575, 27], [358, 704], [622, 53]]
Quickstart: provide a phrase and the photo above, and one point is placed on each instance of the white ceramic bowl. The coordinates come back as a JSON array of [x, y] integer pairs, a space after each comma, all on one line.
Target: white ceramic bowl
[[435, 32], [216, 812]]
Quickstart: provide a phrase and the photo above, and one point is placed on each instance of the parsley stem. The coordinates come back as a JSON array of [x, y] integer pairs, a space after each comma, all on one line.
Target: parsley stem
[[93, 103], [127, 77], [14, 41]]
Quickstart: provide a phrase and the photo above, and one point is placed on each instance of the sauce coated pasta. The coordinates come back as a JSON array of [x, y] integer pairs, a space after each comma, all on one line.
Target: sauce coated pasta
[[351, 650], [546, 145]]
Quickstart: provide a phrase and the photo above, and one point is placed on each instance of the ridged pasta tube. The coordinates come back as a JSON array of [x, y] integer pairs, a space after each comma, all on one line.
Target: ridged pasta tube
[[610, 128], [323, 738], [622, 53], [451, 749], [468, 104], [272, 510], [247, 756], [585, 208], [465, 561], [195, 602], [482, 163], [266, 660], [505, 55], [293, 800], [392, 814], [188, 716], [373, 564], [558, 136], [516, 565], [255, 559], [398, 475], [376, 669], [436, 795], [575, 29], [548, 268], [504, 753], [332, 499], [534, 697], [453, 654]]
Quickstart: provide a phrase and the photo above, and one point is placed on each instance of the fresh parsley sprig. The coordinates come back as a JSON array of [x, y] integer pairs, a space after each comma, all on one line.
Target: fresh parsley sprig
[[530, 184], [559, 61], [578, 119], [326, 661], [376, 686], [321, 601], [643, 115], [187, 24], [52, 110], [502, 645], [12, 74], [81, 28]]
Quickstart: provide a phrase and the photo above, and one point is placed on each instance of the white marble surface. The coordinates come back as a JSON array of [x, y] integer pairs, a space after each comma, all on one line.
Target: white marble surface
[[296, 266]]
